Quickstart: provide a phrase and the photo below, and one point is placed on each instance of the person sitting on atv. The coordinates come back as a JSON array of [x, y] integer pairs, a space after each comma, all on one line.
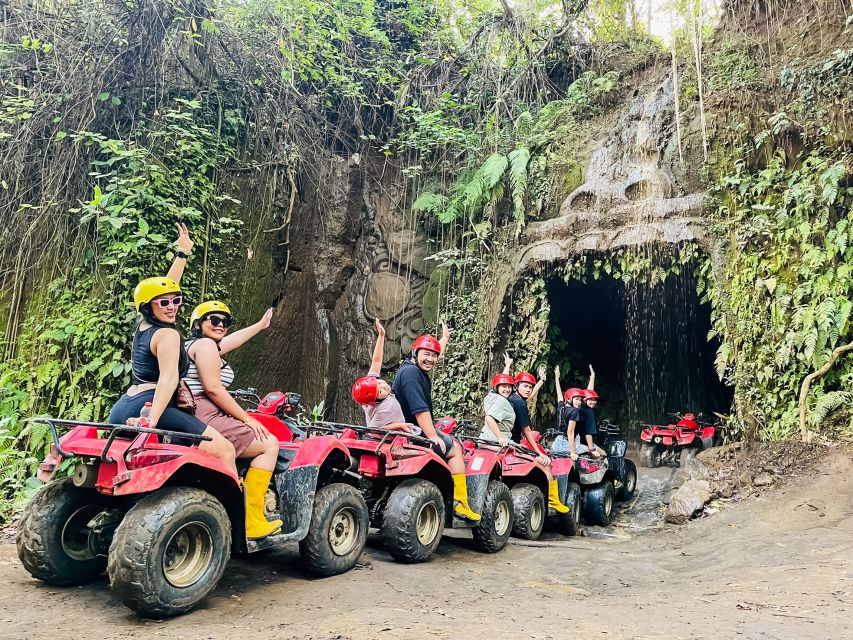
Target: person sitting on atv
[[573, 421], [588, 416], [381, 408], [208, 378], [413, 390], [501, 420], [159, 360]]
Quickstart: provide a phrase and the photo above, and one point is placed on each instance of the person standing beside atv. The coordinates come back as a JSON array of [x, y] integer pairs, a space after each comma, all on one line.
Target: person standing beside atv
[[381, 408], [413, 390], [208, 378], [159, 360], [501, 420]]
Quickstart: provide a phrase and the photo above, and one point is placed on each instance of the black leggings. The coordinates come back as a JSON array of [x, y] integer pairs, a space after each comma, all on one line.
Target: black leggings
[[173, 419]]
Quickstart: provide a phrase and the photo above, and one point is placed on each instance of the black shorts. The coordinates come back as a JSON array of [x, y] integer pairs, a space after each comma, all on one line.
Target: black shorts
[[173, 419], [448, 445]]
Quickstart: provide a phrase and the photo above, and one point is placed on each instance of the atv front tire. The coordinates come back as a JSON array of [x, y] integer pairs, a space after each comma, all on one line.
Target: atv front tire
[[414, 521], [649, 456], [53, 537], [598, 503], [495, 525], [569, 523], [170, 551], [338, 530], [528, 503]]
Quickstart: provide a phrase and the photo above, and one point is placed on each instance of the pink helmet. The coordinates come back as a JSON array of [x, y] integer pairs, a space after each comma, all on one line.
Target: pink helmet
[[589, 394]]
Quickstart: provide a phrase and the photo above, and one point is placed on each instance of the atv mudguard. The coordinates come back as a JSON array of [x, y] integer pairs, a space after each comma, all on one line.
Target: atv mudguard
[[297, 486]]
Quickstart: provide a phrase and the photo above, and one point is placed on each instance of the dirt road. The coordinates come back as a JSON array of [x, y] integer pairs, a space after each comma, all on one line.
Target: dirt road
[[778, 566]]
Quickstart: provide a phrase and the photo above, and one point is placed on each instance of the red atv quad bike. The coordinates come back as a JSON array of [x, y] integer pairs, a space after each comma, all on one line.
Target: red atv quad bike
[[677, 443], [409, 491], [163, 517], [527, 481]]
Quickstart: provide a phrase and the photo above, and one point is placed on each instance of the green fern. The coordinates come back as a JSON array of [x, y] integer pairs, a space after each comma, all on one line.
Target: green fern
[[429, 202], [518, 161], [493, 170], [828, 403]]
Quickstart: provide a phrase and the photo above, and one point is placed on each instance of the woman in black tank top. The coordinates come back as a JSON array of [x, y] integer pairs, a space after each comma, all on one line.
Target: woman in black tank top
[[159, 360]]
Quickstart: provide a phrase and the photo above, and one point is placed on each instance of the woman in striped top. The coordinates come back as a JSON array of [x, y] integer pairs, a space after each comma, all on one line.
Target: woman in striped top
[[209, 377]]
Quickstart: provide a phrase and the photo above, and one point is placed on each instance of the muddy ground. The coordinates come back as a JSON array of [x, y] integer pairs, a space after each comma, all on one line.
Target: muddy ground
[[775, 566]]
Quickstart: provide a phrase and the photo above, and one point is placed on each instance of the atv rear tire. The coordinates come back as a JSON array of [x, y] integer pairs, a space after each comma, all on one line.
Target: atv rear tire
[[528, 503], [686, 455], [170, 551], [338, 530], [495, 525], [629, 481], [598, 504], [414, 521], [649, 456], [53, 539], [570, 523]]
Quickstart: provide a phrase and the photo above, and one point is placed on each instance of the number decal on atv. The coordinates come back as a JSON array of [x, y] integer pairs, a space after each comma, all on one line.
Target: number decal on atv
[[477, 463]]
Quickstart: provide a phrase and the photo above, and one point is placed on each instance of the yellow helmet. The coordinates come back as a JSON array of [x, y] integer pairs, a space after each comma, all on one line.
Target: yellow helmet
[[150, 288], [208, 307]]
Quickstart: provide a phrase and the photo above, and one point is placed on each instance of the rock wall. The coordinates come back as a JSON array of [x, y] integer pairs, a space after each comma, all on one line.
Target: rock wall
[[355, 257]]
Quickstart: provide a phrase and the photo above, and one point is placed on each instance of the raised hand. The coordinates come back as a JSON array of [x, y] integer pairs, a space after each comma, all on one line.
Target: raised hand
[[184, 241], [445, 331], [557, 372], [379, 328], [543, 372], [591, 370], [507, 360], [266, 319]]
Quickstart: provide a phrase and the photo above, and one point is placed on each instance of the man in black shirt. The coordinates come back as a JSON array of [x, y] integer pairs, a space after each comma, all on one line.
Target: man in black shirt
[[413, 389]]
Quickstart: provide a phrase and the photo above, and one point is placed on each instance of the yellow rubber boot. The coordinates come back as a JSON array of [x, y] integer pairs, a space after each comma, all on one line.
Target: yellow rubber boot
[[460, 499], [257, 526], [554, 498]]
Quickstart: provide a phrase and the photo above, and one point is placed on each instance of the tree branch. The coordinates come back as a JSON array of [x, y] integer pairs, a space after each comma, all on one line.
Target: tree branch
[[807, 383]]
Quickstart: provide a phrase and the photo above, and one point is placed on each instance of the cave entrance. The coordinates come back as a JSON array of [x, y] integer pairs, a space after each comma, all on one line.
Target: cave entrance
[[648, 345]]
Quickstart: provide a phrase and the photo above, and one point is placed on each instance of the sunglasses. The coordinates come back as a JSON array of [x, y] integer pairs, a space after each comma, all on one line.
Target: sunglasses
[[167, 302], [225, 321]]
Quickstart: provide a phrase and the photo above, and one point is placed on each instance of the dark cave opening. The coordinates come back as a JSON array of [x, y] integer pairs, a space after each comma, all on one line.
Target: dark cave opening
[[648, 344]]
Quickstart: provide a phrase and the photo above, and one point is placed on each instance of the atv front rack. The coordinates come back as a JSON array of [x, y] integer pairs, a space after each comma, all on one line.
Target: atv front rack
[[115, 430]]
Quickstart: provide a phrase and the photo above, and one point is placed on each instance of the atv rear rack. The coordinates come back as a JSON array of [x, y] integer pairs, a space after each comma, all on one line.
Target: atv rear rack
[[387, 434], [115, 430]]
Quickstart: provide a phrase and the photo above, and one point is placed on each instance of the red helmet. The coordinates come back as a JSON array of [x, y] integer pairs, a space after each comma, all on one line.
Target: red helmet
[[502, 378], [365, 389], [426, 342], [590, 394], [525, 376], [574, 392]]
